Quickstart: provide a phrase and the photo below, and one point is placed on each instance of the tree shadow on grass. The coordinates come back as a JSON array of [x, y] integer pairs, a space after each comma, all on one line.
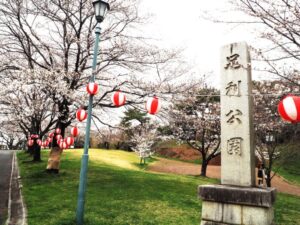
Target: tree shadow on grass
[[31, 161]]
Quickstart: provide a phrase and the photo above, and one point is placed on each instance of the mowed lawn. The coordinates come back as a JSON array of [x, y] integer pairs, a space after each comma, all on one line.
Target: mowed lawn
[[120, 192]]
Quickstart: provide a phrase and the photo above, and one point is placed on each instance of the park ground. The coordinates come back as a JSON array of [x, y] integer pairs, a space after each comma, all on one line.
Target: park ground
[[120, 191]]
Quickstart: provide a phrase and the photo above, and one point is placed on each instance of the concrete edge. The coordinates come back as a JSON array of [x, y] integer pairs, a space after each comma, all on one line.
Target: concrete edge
[[9, 191], [24, 216], [15, 175]]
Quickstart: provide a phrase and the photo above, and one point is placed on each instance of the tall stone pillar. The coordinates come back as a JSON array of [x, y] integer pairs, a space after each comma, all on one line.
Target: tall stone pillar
[[236, 201]]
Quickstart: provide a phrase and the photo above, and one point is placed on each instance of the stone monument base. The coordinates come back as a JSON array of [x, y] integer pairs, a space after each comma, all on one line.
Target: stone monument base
[[224, 205]]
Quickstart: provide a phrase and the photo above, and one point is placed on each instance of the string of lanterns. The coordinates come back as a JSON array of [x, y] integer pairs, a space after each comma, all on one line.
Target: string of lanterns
[[118, 98], [288, 108]]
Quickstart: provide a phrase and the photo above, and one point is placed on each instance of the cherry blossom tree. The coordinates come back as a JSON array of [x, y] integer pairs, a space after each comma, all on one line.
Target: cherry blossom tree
[[57, 39], [26, 106], [271, 132], [276, 22], [195, 119]]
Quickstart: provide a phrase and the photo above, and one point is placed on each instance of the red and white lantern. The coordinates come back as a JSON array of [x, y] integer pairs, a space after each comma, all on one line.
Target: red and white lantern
[[30, 142], [60, 141], [74, 131], [51, 135], [58, 137], [81, 115], [63, 145], [57, 130], [39, 142], [34, 136], [153, 105], [118, 98], [92, 88], [289, 108], [46, 143], [69, 141]]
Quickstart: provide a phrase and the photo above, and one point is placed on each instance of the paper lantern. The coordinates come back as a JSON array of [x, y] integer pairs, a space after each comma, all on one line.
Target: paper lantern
[[92, 88], [63, 145], [59, 141], [69, 141], [46, 143], [153, 105], [74, 131], [81, 115], [57, 130], [34, 136], [58, 137], [49, 139], [30, 142], [289, 108], [118, 98], [39, 142], [51, 135]]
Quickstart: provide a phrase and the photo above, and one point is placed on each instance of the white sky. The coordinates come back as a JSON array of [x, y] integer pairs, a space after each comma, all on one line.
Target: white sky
[[179, 23]]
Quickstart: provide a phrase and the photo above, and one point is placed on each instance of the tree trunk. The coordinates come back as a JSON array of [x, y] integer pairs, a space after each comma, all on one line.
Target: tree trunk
[[54, 160], [203, 168], [268, 177], [36, 153], [55, 152]]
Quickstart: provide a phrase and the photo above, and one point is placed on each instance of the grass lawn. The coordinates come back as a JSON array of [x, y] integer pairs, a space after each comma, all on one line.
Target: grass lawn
[[289, 166], [120, 192]]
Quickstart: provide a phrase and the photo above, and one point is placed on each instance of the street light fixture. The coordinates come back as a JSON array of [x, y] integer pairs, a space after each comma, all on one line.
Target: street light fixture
[[100, 8]]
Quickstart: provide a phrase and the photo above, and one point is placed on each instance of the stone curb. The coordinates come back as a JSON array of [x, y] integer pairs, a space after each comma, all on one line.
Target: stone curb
[[17, 213]]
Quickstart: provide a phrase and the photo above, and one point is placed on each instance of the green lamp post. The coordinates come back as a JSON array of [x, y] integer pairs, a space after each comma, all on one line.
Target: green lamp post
[[100, 8]]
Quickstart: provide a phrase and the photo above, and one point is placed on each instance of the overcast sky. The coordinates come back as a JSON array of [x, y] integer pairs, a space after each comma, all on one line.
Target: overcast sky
[[180, 24]]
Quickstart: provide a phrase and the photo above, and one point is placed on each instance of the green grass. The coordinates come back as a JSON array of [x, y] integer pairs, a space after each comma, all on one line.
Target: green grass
[[288, 166], [119, 192], [287, 209]]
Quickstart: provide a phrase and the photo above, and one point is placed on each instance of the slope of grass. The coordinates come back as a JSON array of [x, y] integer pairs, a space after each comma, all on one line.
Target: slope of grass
[[289, 164], [119, 192]]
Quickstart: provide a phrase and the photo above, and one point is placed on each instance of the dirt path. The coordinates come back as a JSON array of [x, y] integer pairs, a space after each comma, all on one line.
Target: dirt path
[[177, 167]]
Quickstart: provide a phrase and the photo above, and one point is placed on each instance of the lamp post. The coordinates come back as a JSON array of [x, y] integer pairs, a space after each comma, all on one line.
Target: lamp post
[[100, 8]]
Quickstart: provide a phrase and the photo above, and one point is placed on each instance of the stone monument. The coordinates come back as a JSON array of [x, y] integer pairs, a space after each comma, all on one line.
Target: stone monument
[[236, 201]]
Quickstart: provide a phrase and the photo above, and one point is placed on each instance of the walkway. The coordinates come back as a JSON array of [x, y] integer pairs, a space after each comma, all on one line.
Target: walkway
[[178, 167], [5, 174]]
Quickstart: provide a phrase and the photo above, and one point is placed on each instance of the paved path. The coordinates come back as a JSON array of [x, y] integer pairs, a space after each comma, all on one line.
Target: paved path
[[5, 174], [177, 167]]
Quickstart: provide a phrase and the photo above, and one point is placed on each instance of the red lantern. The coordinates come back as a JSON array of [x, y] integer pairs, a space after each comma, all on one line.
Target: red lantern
[[69, 141], [92, 88], [51, 135], [57, 130], [63, 145], [58, 137], [46, 143], [49, 139], [81, 115], [74, 131], [39, 142], [153, 105], [30, 142], [118, 98], [289, 108], [59, 141], [34, 136]]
